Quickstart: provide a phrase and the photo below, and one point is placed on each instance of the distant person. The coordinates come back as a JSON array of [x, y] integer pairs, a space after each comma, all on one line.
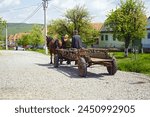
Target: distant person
[[76, 40], [16, 44]]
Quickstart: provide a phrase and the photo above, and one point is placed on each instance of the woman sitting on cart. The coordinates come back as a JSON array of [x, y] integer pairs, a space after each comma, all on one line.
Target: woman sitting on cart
[[65, 42]]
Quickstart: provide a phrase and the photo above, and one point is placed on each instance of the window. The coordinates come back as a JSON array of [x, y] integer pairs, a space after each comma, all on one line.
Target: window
[[102, 37], [106, 37], [148, 36], [114, 39]]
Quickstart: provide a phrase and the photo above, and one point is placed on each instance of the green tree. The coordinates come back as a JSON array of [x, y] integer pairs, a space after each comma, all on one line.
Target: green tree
[[36, 37], [2, 26], [77, 18], [59, 26], [24, 41], [128, 22]]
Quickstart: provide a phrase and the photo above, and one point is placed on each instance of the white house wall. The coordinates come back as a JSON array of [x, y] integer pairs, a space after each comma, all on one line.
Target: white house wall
[[146, 40], [110, 42]]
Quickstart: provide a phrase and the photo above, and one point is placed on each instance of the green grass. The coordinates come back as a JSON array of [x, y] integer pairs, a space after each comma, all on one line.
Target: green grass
[[139, 63]]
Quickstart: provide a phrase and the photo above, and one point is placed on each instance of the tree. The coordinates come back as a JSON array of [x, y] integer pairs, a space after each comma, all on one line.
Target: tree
[[2, 26], [128, 22], [24, 41], [60, 26], [36, 37], [77, 18]]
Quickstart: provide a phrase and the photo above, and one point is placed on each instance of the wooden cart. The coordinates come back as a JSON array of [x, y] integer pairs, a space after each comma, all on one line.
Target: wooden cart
[[85, 58]]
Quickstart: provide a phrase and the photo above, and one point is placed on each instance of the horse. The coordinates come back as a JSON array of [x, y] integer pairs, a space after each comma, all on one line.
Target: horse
[[52, 45]]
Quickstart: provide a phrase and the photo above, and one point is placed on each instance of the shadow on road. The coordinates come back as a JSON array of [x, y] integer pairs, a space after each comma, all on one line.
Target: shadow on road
[[143, 81], [72, 71]]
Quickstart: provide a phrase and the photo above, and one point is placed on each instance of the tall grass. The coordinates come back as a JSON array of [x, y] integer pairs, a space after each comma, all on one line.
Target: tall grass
[[139, 63]]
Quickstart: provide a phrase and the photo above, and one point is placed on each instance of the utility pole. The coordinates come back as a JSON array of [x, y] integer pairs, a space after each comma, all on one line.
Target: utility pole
[[45, 5], [6, 38]]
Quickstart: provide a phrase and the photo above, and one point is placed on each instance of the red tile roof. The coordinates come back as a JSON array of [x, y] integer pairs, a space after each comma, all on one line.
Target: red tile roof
[[97, 26], [16, 36]]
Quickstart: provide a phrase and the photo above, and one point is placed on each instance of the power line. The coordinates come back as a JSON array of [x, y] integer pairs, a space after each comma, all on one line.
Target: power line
[[57, 8], [33, 13]]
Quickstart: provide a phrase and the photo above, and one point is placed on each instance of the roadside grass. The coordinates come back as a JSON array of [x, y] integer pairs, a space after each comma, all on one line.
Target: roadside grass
[[139, 63]]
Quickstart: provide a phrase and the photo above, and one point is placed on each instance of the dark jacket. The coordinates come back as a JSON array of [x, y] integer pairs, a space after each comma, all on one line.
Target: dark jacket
[[76, 42]]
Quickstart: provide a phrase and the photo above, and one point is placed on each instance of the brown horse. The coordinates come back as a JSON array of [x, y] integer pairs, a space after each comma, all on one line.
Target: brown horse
[[52, 45]]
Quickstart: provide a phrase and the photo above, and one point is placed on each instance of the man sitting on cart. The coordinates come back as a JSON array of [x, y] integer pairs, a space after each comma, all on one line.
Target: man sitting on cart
[[76, 40]]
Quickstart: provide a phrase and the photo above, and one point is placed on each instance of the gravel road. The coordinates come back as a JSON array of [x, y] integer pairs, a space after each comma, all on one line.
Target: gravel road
[[28, 75]]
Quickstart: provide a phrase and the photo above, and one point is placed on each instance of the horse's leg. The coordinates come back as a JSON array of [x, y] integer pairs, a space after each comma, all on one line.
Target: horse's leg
[[51, 58]]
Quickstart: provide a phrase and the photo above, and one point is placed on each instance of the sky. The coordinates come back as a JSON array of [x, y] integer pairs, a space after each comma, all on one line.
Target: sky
[[21, 11]]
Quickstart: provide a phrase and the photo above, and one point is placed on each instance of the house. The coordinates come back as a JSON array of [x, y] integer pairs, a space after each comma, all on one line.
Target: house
[[97, 27], [146, 39], [12, 38], [107, 40]]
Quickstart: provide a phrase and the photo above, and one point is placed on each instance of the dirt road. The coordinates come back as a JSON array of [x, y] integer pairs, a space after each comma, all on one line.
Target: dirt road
[[28, 75]]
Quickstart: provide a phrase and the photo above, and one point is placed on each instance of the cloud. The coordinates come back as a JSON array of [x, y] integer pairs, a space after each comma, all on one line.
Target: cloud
[[67, 4], [98, 9], [6, 3]]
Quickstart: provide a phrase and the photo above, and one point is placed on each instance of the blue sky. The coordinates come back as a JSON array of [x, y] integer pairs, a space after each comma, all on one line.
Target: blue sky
[[19, 10]]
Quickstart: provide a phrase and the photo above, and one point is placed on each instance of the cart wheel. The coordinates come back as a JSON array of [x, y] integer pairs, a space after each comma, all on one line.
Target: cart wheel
[[56, 60], [61, 61], [68, 61], [112, 69], [82, 67]]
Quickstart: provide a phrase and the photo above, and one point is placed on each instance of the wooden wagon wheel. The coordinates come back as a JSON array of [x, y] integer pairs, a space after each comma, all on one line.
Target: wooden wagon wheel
[[56, 60], [82, 67], [113, 68]]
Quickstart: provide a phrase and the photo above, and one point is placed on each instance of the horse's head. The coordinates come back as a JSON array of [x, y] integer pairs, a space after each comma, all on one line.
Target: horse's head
[[48, 40]]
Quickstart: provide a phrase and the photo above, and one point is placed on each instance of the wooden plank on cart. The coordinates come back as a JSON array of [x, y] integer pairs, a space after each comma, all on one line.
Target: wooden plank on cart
[[98, 59]]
